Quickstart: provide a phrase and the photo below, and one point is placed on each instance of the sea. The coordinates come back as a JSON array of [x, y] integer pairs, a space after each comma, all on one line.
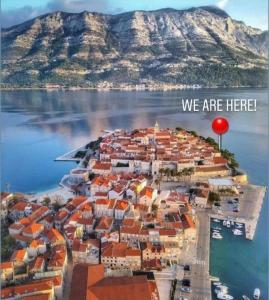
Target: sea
[[37, 126]]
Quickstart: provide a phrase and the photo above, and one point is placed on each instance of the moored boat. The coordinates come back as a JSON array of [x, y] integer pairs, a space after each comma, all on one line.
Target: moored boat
[[257, 293], [216, 220]]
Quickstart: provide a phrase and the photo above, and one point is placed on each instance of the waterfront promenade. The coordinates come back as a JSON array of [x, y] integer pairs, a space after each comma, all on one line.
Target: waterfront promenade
[[200, 278]]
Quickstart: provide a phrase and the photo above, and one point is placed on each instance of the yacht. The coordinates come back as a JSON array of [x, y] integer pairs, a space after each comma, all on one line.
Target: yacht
[[216, 228], [237, 232], [245, 297], [216, 283], [257, 293], [224, 223], [228, 224], [238, 225], [216, 220], [232, 223]]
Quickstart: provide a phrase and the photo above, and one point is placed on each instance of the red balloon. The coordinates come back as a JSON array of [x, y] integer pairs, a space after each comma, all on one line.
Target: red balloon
[[220, 125]]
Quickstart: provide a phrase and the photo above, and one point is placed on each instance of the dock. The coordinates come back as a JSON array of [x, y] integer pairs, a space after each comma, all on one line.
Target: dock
[[251, 202], [69, 156]]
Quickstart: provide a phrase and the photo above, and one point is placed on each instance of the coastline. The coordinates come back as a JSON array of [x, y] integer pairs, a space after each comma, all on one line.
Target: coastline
[[133, 89]]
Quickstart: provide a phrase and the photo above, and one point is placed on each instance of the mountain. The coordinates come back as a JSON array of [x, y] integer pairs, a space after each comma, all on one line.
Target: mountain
[[201, 45]]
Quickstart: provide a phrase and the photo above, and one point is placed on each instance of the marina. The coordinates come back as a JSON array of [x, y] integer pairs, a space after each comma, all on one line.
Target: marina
[[248, 215]]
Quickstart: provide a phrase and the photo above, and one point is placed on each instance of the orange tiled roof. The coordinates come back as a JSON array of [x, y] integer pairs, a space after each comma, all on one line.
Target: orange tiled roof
[[33, 228]]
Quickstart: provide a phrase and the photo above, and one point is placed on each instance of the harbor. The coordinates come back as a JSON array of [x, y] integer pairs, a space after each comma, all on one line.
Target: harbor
[[251, 201]]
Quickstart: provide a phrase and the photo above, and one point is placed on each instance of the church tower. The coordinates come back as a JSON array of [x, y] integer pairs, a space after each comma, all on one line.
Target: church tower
[[156, 127]]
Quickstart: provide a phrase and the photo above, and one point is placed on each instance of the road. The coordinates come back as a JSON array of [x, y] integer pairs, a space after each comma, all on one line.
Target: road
[[200, 282]]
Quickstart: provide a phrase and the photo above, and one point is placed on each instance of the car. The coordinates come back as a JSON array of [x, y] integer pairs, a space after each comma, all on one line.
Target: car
[[187, 268], [185, 289], [186, 282]]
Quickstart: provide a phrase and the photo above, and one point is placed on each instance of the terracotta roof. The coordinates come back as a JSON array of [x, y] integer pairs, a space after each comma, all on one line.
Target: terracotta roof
[[20, 206], [36, 243], [187, 222], [6, 265], [18, 255], [46, 296], [54, 235], [104, 223], [37, 263], [89, 283], [16, 226], [120, 250], [33, 228], [147, 191], [122, 205]]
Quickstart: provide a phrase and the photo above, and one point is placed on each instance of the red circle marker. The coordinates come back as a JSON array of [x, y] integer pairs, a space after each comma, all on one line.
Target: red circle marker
[[220, 125]]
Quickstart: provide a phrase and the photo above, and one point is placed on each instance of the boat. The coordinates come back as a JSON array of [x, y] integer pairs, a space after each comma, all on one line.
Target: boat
[[224, 296], [217, 235], [222, 288], [257, 293], [238, 224], [228, 224], [237, 232], [245, 297], [224, 223], [216, 228], [216, 220], [232, 223], [216, 283]]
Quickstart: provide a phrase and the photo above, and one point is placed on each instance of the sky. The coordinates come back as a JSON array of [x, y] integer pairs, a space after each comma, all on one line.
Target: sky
[[252, 12]]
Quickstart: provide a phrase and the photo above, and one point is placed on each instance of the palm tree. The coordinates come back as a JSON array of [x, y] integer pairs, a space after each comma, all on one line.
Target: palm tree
[[158, 183]]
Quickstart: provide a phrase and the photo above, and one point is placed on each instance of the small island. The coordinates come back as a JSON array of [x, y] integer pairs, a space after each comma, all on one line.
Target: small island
[[140, 207]]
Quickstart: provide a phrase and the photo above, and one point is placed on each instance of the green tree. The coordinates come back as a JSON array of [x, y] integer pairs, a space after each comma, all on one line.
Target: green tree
[[8, 244], [46, 201], [213, 197]]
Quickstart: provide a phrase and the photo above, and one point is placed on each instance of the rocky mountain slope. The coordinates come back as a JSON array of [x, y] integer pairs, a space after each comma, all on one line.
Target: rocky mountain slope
[[194, 46]]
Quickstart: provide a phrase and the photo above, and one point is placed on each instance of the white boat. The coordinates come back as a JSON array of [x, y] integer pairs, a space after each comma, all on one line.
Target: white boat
[[222, 288], [228, 224], [216, 220], [216, 228], [232, 223], [245, 297], [239, 224], [224, 223], [216, 283], [257, 293], [237, 232], [224, 296], [217, 235]]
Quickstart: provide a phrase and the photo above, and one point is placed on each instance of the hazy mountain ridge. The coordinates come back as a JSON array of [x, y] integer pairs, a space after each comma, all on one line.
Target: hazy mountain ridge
[[195, 46]]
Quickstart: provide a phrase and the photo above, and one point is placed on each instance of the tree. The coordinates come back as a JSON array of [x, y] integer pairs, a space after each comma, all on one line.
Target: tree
[[7, 246], [158, 183], [46, 201], [213, 197]]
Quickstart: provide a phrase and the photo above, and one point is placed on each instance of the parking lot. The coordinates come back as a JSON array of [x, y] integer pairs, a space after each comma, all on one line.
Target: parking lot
[[183, 287]]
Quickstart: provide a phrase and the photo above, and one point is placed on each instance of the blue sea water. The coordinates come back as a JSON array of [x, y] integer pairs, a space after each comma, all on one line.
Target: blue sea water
[[38, 126]]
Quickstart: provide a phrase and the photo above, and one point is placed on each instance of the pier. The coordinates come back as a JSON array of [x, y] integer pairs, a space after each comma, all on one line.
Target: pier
[[251, 201]]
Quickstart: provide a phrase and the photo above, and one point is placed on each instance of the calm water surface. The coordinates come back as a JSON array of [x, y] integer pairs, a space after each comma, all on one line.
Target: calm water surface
[[38, 126]]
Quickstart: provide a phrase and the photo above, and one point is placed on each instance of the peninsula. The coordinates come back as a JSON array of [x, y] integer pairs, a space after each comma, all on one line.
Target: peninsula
[[135, 214]]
